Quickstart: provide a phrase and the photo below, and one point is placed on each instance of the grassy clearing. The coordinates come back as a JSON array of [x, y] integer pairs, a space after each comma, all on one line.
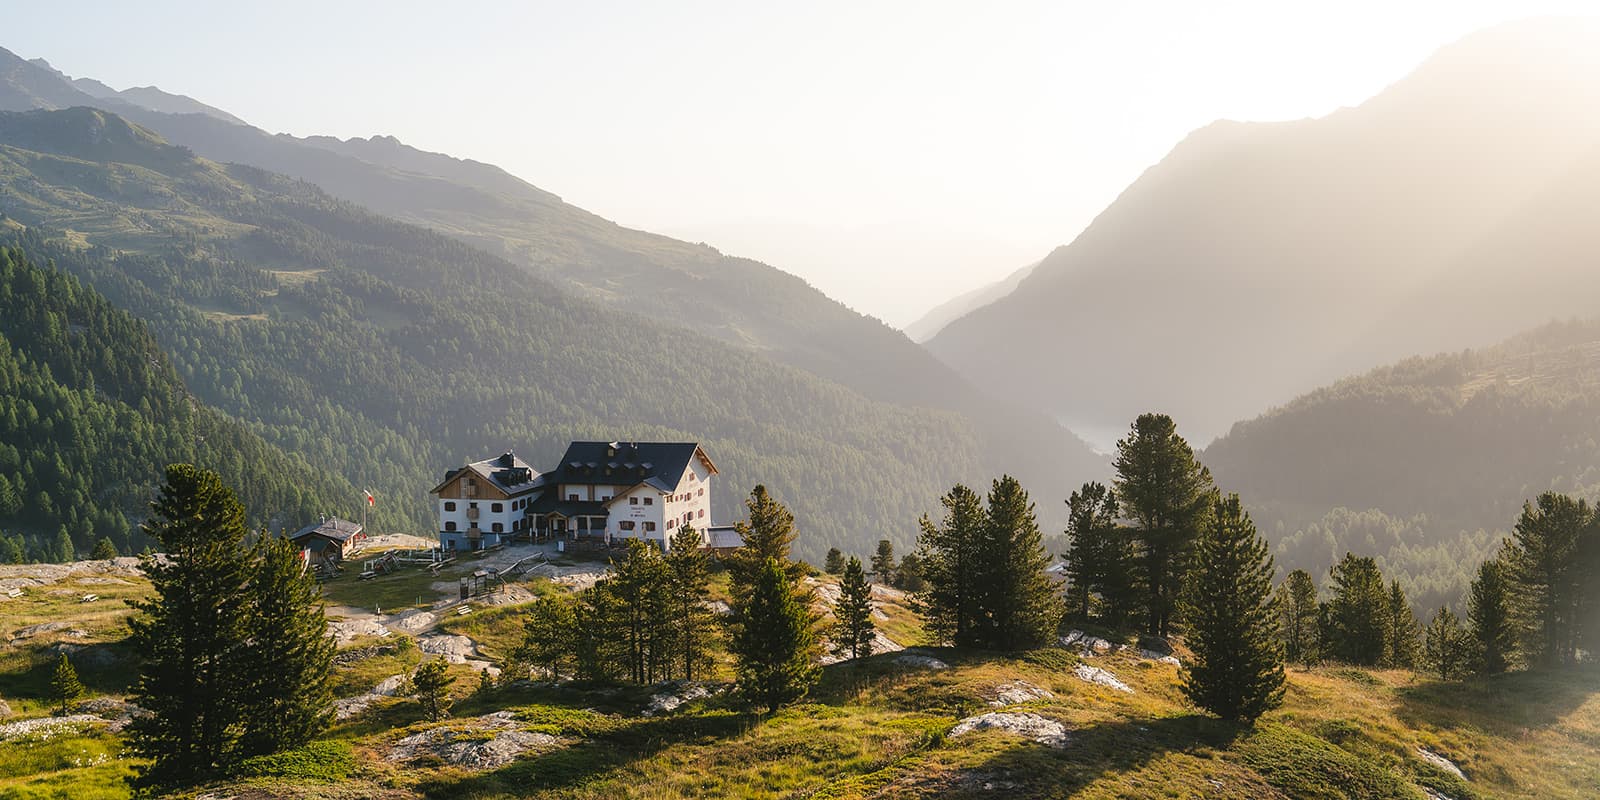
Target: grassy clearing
[[878, 728], [88, 765]]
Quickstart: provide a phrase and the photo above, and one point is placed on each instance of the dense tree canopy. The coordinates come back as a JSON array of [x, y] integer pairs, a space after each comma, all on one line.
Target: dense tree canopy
[[91, 412]]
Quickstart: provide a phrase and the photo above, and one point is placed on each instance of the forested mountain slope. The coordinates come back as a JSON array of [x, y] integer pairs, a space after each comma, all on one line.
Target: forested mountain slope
[[740, 301], [1427, 461], [386, 353], [91, 412], [1259, 260]]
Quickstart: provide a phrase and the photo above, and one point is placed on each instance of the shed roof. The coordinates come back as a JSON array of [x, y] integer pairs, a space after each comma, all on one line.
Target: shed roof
[[333, 528]]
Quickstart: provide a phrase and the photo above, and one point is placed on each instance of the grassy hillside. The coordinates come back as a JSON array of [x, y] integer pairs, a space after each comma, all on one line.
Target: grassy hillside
[[882, 728], [92, 411], [1425, 462], [1257, 261], [386, 353]]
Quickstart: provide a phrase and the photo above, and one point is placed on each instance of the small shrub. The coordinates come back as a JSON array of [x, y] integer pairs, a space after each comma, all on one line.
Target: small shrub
[[1354, 675], [1058, 659], [1303, 766], [1339, 731], [328, 762]]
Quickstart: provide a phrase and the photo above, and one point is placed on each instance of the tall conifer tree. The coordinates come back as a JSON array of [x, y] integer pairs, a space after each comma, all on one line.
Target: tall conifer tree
[[1446, 649], [950, 550], [833, 564], [1237, 668], [768, 533], [1358, 614], [289, 664], [1297, 613], [1489, 612], [774, 641], [1166, 493], [1545, 557], [1100, 561], [191, 636], [853, 630], [1019, 602], [688, 589], [550, 636], [1404, 636], [883, 561]]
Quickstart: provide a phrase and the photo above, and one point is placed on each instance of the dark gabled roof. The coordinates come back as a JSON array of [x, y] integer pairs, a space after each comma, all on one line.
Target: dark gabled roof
[[660, 464], [338, 530], [551, 504], [511, 474]]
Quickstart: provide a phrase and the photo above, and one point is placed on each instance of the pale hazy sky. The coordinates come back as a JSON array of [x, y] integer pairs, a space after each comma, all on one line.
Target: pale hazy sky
[[894, 154]]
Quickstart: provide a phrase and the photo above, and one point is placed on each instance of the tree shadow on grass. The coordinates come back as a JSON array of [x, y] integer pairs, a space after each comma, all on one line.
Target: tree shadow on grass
[[1104, 749], [1504, 705], [907, 685]]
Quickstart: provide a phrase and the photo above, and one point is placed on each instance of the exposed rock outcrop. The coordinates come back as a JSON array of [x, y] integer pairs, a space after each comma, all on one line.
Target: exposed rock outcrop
[[1029, 726], [1099, 676], [487, 742]]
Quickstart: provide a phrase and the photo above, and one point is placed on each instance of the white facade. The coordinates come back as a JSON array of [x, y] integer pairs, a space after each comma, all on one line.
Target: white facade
[[690, 504], [454, 515], [638, 513]]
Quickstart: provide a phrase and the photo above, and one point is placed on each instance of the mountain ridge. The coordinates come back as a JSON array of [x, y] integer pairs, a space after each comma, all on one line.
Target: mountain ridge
[[1285, 243]]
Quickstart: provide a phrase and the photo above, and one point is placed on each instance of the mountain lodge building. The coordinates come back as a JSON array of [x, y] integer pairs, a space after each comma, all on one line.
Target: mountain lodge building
[[599, 490]]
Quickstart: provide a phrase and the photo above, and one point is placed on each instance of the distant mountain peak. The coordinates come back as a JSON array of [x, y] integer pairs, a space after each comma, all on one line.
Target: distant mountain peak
[[34, 83]]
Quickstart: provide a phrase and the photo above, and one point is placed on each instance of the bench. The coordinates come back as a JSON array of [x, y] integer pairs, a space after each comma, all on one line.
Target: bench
[[367, 576], [90, 598], [13, 593], [463, 610]]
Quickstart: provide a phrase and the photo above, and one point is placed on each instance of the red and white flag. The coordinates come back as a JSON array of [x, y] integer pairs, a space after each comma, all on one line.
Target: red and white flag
[[370, 500]]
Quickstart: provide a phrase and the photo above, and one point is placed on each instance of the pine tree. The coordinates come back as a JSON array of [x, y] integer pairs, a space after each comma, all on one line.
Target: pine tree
[[1446, 647], [65, 688], [1358, 613], [104, 549], [430, 685], [688, 589], [191, 635], [1166, 493], [1236, 671], [1297, 613], [1100, 559], [774, 642], [908, 576], [288, 669], [769, 533], [1400, 628], [1019, 605], [853, 631], [1544, 556], [833, 564], [883, 561], [638, 586], [1489, 612], [485, 683], [950, 566], [549, 636], [64, 550]]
